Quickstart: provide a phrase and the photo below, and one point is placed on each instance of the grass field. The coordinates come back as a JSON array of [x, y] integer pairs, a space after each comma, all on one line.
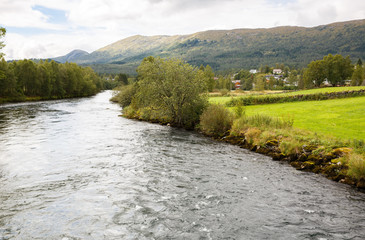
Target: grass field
[[225, 99], [342, 118]]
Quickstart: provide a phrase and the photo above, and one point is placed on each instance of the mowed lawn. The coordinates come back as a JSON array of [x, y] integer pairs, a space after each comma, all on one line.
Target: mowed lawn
[[342, 118]]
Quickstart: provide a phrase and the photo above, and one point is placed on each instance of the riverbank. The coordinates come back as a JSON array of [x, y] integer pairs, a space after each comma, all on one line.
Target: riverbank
[[333, 165], [37, 98], [304, 150]]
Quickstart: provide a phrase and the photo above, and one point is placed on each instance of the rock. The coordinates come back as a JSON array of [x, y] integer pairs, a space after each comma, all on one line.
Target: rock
[[361, 183], [315, 158], [278, 156], [309, 148], [303, 157], [272, 143], [308, 165], [339, 152]]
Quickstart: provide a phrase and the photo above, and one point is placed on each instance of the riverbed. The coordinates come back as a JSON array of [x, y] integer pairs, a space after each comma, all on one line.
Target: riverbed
[[75, 169]]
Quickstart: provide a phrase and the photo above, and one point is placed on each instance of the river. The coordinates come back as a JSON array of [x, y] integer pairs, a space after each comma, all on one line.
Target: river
[[74, 169]]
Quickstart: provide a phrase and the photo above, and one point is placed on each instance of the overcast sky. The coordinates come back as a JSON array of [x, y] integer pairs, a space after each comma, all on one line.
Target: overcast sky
[[50, 28]]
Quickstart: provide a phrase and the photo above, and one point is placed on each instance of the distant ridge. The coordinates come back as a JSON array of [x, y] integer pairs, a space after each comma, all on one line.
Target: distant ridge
[[232, 49], [73, 56]]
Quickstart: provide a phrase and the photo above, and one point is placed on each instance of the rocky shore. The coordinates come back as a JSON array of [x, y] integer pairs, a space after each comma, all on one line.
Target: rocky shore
[[328, 165]]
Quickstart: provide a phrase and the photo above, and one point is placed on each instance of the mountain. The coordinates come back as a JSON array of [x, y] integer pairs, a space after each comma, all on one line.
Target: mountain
[[73, 56], [234, 49]]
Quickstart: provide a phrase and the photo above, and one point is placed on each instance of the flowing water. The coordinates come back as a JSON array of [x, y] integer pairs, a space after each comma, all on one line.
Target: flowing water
[[74, 169]]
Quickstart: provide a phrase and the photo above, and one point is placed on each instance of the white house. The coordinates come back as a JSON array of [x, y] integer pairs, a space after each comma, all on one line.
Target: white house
[[277, 71]]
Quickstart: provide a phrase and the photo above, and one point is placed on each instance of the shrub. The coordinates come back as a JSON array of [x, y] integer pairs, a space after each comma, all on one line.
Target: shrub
[[264, 121], [239, 111], [216, 120], [356, 166], [223, 92], [252, 136], [125, 95], [290, 146]]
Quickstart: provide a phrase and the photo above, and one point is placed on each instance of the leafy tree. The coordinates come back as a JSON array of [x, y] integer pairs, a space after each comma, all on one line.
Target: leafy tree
[[293, 77], [172, 88], [315, 74], [7, 79], [209, 76], [358, 76], [335, 69], [2, 34], [260, 83], [122, 78]]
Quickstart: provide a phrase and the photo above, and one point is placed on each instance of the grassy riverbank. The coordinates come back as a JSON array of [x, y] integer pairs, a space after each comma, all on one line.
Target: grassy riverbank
[[325, 137], [320, 136], [341, 118]]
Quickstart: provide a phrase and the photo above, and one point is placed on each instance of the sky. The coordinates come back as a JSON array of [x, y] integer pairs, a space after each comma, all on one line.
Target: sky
[[51, 28]]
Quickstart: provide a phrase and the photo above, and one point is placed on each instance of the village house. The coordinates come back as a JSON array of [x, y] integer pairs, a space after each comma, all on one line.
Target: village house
[[277, 71]]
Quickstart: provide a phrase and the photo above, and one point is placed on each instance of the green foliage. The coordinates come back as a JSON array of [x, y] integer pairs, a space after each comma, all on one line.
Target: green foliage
[[262, 121], [125, 95], [216, 120], [2, 34], [282, 98], [46, 80], [122, 78], [358, 76], [335, 69], [356, 163], [172, 90]]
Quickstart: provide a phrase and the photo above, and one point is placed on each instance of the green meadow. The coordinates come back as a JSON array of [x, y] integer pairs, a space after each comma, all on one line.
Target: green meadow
[[226, 99], [342, 118]]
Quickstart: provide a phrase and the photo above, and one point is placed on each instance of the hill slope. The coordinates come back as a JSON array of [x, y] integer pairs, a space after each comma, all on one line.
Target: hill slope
[[73, 56], [238, 48]]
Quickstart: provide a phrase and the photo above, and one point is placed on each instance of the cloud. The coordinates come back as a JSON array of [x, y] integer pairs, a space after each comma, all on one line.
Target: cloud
[[92, 24]]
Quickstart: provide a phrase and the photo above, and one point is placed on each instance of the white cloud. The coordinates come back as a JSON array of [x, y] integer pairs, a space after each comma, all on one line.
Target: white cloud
[[92, 24]]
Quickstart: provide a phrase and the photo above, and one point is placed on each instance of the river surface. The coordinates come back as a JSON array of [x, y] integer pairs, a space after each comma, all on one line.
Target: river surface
[[74, 169]]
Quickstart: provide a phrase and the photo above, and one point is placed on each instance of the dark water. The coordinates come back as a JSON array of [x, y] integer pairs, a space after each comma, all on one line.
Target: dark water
[[73, 169]]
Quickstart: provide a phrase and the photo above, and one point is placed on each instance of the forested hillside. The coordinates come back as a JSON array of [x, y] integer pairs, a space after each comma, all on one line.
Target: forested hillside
[[234, 49]]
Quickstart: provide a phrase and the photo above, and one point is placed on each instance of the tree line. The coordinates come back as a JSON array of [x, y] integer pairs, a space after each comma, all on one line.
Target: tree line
[[332, 70], [47, 80]]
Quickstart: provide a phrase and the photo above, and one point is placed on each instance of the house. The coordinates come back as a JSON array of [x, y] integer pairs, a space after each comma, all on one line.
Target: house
[[237, 83], [253, 71], [277, 71]]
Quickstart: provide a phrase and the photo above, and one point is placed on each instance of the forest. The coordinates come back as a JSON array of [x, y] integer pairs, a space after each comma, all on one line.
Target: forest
[[27, 80]]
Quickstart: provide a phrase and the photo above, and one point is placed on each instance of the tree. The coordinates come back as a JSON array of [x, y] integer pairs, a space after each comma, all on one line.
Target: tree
[[122, 78], [260, 83], [358, 76], [2, 34], [171, 88], [335, 69], [315, 74], [209, 76], [293, 77]]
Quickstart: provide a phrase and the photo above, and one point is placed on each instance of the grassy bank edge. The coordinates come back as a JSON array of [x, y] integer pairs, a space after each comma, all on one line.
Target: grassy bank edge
[[342, 161]]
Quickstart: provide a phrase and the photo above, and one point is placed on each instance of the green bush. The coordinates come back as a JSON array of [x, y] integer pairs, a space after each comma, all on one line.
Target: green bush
[[216, 120], [125, 95]]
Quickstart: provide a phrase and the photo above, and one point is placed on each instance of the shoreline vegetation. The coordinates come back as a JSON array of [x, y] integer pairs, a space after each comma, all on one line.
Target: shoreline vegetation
[[26, 80], [162, 95]]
